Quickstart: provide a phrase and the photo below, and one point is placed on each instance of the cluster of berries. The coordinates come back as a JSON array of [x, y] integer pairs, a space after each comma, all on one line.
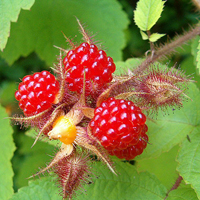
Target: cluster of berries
[[118, 124]]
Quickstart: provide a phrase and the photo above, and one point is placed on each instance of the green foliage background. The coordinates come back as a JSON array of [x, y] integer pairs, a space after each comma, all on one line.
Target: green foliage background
[[29, 29]]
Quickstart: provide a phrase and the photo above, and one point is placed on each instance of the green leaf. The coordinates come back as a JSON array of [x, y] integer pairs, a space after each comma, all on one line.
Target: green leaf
[[123, 67], [173, 127], [198, 58], [43, 188], [6, 93], [129, 184], [155, 37], [147, 13], [163, 166], [7, 148], [183, 194], [33, 158], [188, 158], [42, 28], [9, 13], [187, 65], [144, 35], [194, 48]]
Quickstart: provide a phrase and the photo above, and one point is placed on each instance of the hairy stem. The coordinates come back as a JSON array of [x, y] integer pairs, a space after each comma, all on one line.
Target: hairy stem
[[166, 49], [175, 186]]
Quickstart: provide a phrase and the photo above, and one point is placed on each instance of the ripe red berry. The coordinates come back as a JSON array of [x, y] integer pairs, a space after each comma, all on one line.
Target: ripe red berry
[[120, 127], [89, 60], [37, 92]]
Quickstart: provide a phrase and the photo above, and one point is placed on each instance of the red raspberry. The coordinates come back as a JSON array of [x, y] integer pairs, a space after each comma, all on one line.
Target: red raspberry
[[97, 66], [37, 92], [120, 127]]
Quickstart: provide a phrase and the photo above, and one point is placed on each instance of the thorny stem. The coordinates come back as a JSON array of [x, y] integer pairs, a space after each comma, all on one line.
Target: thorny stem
[[166, 49], [175, 186]]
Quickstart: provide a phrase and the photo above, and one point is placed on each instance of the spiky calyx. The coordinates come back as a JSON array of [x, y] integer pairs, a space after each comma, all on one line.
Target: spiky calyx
[[72, 172], [161, 88]]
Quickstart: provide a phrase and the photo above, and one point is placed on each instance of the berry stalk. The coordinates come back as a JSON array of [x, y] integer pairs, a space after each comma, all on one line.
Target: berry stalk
[[166, 49]]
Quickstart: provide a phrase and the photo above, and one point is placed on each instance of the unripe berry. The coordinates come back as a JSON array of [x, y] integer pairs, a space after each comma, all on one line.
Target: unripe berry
[[64, 130]]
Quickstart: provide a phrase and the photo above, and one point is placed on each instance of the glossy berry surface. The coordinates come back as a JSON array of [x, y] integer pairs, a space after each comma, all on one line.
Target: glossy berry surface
[[120, 127], [37, 92], [87, 60]]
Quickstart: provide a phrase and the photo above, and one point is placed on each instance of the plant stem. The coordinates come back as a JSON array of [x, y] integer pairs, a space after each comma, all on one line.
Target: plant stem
[[151, 43], [175, 186], [166, 49]]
